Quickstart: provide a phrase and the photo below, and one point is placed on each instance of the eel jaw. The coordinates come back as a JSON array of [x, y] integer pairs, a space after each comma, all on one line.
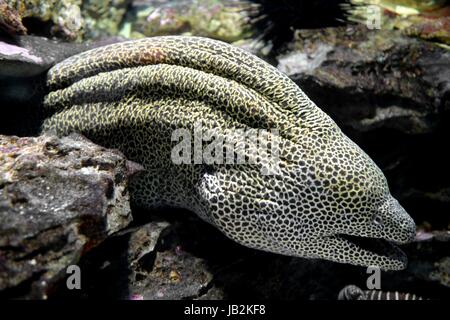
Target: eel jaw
[[377, 252], [353, 250]]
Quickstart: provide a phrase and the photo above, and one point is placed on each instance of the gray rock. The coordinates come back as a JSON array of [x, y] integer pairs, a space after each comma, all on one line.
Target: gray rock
[[442, 274], [143, 240], [58, 18], [427, 273], [156, 260], [173, 273], [58, 199], [372, 79], [27, 56], [430, 259], [30, 55]]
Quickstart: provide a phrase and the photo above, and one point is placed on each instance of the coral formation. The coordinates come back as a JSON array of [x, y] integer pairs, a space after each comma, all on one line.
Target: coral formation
[[223, 20]]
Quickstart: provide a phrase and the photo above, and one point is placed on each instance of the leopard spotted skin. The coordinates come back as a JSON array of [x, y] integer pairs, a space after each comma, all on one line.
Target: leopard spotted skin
[[133, 95]]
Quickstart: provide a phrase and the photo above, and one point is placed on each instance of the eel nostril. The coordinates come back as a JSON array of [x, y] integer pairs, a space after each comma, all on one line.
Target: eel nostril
[[410, 229]]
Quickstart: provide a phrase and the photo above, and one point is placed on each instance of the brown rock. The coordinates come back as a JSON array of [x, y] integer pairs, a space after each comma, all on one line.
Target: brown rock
[[58, 199]]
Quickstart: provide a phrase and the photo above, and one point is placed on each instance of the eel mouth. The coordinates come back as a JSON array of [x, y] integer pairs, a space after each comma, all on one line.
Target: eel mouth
[[375, 251]]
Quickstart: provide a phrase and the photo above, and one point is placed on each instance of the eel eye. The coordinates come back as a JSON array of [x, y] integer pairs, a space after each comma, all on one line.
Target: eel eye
[[377, 220]]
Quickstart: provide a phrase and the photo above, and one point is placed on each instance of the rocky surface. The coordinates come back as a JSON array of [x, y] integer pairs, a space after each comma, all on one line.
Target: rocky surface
[[224, 20], [147, 261], [24, 60], [103, 18], [428, 20], [53, 17], [28, 56], [182, 257], [372, 79], [71, 20], [169, 273], [76, 20], [10, 20], [59, 198]]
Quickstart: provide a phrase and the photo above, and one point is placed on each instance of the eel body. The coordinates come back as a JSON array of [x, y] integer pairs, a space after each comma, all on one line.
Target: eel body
[[326, 196], [352, 292]]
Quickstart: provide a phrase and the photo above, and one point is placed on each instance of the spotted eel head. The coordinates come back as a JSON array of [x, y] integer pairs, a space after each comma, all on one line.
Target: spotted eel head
[[329, 200]]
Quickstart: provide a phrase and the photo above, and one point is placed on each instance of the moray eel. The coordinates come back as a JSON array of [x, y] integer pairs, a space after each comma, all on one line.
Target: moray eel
[[352, 292], [329, 200]]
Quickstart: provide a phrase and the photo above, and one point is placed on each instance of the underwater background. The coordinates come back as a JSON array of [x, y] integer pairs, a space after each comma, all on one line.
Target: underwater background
[[380, 69]]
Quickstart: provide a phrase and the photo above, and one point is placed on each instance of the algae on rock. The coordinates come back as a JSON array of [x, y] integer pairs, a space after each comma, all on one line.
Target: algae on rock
[[428, 20], [223, 20], [64, 14], [103, 17]]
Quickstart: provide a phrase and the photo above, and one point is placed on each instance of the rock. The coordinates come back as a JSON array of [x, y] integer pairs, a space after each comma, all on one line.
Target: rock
[[24, 62], [71, 20], [430, 260], [10, 21], [148, 262], [173, 270], [174, 277], [185, 258], [428, 20], [28, 56], [59, 198], [142, 241], [442, 274], [64, 16], [373, 79], [223, 20], [103, 17], [430, 28]]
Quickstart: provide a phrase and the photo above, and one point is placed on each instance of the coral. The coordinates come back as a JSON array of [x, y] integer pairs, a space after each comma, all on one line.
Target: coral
[[103, 17], [65, 15], [428, 20], [226, 20], [69, 19], [10, 21]]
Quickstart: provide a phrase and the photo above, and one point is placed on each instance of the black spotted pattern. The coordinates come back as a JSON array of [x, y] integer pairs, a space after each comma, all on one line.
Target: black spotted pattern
[[133, 95]]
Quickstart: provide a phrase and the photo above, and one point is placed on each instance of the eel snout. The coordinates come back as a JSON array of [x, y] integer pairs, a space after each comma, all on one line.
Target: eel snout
[[377, 243]]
